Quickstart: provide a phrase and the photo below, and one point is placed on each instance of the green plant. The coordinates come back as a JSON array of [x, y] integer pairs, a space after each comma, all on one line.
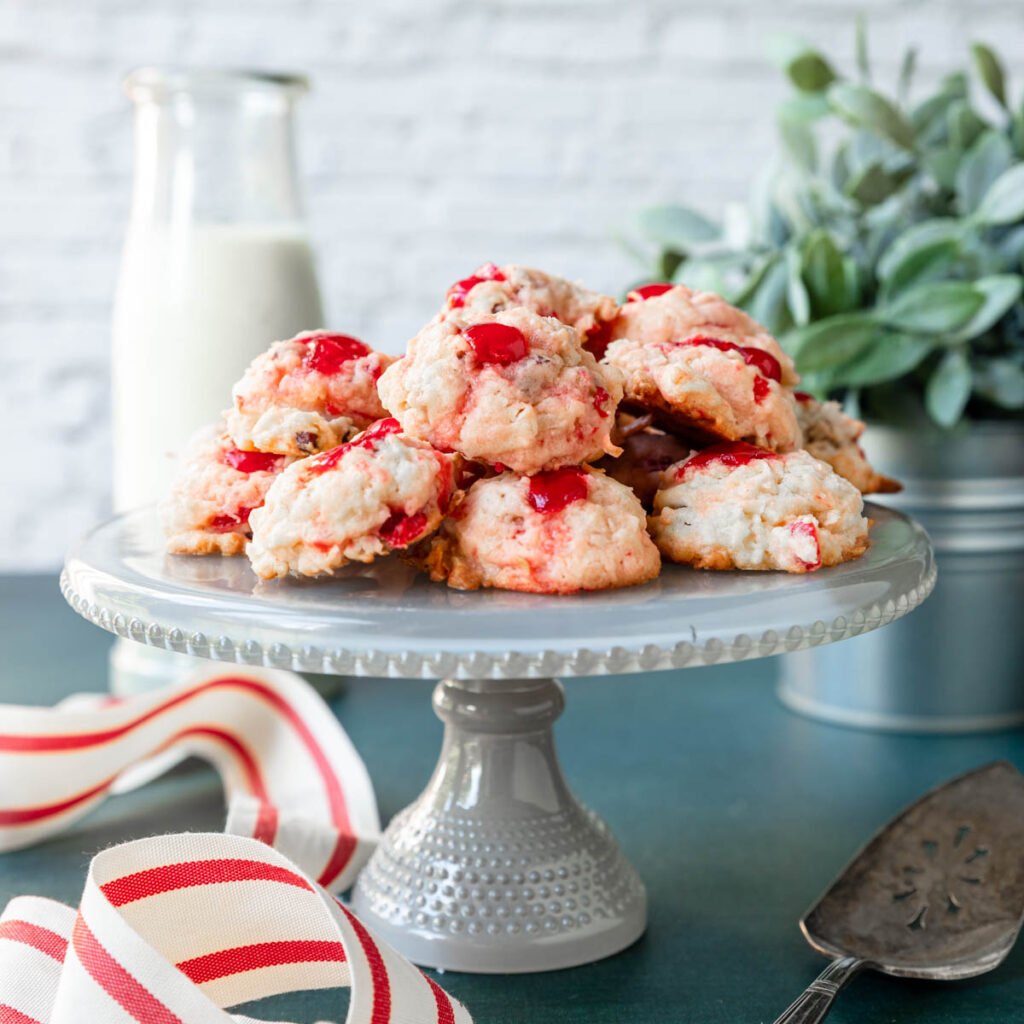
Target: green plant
[[883, 246]]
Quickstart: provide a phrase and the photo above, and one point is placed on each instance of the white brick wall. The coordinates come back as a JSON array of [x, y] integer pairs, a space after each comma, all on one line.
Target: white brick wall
[[440, 133]]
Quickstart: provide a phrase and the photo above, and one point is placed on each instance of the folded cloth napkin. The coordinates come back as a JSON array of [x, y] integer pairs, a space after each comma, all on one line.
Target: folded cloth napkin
[[291, 775], [174, 929]]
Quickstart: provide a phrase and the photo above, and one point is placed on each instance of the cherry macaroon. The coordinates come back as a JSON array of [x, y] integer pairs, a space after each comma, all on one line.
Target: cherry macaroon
[[458, 291], [555, 489], [496, 343], [649, 291], [328, 353], [732, 454]]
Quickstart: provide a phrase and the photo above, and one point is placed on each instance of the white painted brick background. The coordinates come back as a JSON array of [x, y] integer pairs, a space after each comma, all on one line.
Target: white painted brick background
[[440, 133]]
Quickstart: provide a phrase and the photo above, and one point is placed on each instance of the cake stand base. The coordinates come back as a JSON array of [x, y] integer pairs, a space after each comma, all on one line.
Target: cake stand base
[[497, 868]]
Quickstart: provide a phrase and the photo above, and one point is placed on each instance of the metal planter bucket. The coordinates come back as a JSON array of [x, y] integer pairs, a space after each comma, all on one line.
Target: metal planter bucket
[[957, 663]]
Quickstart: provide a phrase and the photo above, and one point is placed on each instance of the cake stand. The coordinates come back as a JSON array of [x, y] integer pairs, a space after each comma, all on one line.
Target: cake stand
[[496, 867]]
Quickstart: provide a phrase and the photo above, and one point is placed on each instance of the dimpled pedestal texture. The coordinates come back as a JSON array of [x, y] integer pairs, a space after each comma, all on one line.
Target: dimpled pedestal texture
[[497, 867]]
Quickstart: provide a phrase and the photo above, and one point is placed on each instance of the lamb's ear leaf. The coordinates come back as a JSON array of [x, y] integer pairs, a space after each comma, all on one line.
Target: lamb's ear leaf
[[934, 308], [676, 227], [948, 389], [990, 70]]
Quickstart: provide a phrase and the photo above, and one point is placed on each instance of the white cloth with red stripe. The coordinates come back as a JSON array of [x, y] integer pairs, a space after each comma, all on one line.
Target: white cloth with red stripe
[[291, 775], [177, 928], [174, 929]]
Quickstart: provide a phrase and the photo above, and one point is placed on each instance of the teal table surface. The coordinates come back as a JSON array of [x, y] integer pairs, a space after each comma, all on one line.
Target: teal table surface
[[736, 813]]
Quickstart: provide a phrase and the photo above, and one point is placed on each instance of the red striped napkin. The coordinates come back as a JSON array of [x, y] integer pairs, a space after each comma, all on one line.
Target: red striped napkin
[[176, 928], [291, 775]]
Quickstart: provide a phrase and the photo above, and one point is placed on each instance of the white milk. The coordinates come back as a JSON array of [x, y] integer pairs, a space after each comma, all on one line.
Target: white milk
[[194, 305]]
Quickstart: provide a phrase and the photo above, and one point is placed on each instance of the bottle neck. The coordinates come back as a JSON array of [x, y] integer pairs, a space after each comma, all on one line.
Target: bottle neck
[[220, 153]]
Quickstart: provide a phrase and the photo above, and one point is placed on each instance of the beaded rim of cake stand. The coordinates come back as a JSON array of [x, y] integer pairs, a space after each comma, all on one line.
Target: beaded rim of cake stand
[[443, 664]]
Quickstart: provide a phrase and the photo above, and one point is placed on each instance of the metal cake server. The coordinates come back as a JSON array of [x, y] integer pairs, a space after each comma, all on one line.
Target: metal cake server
[[937, 894]]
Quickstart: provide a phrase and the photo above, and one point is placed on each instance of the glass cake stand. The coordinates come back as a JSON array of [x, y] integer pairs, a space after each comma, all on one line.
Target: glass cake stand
[[496, 867]]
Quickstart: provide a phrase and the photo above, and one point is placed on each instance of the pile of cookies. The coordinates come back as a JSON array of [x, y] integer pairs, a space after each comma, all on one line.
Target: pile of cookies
[[535, 436]]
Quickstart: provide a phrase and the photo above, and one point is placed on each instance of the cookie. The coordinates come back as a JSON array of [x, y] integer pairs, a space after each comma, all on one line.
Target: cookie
[[491, 289], [708, 389], [735, 506], [207, 511], [307, 394], [557, 532], [665, 312], [832, 436], [512, 389], [375, 494]]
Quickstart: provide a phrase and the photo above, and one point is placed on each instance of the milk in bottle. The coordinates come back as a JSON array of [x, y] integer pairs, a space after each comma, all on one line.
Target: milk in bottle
[[216, 265]]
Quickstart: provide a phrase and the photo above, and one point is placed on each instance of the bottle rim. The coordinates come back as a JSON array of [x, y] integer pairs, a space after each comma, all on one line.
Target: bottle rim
[[152, 82]]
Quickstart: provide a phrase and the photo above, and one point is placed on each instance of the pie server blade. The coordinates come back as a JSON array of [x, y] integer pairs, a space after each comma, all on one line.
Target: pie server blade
[[938, 893]]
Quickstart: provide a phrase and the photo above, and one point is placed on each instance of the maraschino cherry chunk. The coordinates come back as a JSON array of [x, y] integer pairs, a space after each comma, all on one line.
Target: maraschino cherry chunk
[[458, 291], [400, 530], [732, 454], [328, 353], [555, 489], [251, 462], [649, 291], [496, 343]]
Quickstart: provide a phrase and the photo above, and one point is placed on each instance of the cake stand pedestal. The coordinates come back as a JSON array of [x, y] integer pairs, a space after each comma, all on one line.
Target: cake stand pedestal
[[496, 867]]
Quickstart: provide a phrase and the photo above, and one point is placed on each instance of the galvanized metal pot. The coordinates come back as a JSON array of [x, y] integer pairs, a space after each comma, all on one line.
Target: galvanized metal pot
[[957, 663]]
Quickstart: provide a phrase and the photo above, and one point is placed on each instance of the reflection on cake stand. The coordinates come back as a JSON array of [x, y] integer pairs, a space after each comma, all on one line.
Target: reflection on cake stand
[[496, 867]]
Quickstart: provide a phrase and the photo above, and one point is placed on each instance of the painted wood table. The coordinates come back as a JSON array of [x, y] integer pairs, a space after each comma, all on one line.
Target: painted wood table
[[729, 864]]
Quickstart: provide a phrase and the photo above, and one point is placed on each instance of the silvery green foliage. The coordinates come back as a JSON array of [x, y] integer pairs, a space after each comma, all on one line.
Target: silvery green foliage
[[884, 245]]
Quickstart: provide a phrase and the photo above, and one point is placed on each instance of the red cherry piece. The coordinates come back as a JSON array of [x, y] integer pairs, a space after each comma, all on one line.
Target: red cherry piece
[[367, 439], [732, 454], [328, 353], [400, 530], [226, 522], [252, 462], [803, 396], [648, 291], [497, 343], [598, 338], [762, 389], [458, 291], [552, 491], [808, 531], [764, 362], [600, 398]]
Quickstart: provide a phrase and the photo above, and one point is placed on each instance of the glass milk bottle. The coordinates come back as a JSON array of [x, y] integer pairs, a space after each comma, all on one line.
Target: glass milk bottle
[[216, 265]]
